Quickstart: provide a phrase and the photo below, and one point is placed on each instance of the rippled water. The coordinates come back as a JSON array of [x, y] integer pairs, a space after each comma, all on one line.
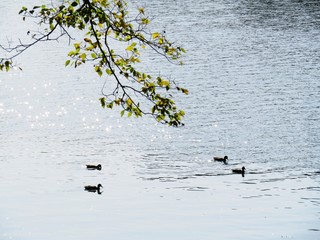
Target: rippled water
[[252, 70]]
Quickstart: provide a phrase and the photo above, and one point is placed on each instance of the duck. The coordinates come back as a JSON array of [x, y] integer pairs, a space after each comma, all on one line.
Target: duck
[[94, 167], [90, 188], [221, 159], [239, 170]]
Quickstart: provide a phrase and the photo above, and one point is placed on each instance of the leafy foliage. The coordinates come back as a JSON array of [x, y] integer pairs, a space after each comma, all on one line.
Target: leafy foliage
[[105, 22]]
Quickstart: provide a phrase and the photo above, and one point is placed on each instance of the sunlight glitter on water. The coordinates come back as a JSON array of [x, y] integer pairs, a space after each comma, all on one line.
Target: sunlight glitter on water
[[253, 96]]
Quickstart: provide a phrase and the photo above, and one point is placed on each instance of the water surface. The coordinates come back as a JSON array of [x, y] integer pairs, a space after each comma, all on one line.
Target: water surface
[[252, 70]]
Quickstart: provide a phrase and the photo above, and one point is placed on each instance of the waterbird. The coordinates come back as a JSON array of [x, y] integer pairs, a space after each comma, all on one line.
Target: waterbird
[[221, 159], [239, 170], [90, 188], [94, 167]]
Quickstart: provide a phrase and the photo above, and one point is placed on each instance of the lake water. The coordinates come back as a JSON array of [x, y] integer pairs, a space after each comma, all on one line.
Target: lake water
[[252, 69]]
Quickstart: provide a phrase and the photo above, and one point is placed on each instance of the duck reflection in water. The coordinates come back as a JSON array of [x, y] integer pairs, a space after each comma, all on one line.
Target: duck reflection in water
[[94, 167], [97, 188], [239, 171]]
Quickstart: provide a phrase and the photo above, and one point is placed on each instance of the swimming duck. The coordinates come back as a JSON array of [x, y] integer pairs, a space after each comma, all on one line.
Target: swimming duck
[[90, 188], [239, 170], [221, 159], [94, 167]]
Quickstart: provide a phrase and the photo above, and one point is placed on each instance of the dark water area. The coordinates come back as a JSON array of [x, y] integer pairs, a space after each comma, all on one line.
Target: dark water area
[[252, 69]]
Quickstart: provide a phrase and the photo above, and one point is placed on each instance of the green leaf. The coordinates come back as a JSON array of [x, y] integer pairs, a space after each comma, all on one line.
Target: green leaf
[[129, 102], [89, 48], [109, 71], [67, 63], [141, 10], [98, 70], [145, 21], [71, 53], [23, 9], [83, 56], [155, 35], [76, 46], [160, 118], [153, 109], [87, 40], [131, 47], [110, 105], [185, 91], [164, 83], [122, 113], [7, 65], [102, 102]]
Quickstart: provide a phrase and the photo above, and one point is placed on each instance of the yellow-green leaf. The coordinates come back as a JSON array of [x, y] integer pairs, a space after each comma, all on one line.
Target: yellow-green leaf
[[145, 21], [103, 102], [67, 63], [185, 91], [131, 47], [155, 35], [89, 48], [88, 40], [141, 10], [98, 70], [164, 83], [83, 56], [76, 45], [7, 65], [129, 102], [109, 71]]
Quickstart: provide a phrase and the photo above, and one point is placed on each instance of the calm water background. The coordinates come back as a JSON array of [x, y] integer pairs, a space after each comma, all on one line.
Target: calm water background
[[252, 70]]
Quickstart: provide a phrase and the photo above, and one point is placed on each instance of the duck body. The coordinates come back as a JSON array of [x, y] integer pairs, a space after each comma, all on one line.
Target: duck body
[[221, 159], [94, 167], [239, 170], [90, 188]]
